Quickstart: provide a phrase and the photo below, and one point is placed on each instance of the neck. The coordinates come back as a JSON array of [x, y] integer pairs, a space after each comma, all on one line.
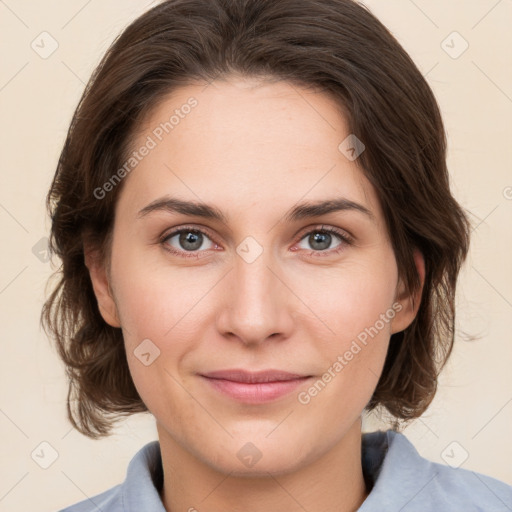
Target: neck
[[333, 482]]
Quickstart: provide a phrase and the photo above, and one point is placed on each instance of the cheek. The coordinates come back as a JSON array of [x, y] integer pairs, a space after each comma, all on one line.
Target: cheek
[[162, 324], [356, 306], [156, 300], [352, 298]]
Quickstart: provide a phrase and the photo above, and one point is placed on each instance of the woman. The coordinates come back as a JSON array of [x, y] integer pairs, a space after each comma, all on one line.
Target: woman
[[259, 244]]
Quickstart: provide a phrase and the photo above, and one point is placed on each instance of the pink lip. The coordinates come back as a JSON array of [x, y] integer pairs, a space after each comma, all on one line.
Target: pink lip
[[254, 387]]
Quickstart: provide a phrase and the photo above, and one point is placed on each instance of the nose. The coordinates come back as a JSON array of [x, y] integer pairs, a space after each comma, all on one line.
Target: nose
[[257, 302]]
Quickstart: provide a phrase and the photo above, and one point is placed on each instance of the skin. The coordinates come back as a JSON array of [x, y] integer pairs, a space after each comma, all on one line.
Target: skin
[[253, 150]]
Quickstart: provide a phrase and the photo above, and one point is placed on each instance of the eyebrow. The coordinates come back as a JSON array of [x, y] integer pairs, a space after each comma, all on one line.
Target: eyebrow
[[298, 212]]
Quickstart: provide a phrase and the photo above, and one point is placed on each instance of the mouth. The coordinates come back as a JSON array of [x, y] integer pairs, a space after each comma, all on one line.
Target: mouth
[[254, 387], [263, 376]]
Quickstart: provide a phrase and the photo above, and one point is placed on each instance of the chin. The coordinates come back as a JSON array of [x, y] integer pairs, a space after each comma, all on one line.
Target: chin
[[257, 458]]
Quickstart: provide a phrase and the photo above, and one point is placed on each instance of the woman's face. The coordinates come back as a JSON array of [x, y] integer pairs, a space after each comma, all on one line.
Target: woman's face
[[258, 280]]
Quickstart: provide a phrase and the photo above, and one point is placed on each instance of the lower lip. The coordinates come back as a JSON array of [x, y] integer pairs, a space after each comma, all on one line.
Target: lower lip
[[255, 393]]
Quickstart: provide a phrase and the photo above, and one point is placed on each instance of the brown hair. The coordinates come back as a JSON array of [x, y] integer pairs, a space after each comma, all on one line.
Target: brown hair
[[337, 46]]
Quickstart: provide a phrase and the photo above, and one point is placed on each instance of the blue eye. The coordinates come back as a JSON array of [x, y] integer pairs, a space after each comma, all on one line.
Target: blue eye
[[188, 240], [321, 240]]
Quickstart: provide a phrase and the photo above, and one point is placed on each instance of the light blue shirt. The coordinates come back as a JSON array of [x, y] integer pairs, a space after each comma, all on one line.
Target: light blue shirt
[[402, 481]]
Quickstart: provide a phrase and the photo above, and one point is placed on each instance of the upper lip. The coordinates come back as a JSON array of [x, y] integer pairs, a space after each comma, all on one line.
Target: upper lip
[[237, 375]]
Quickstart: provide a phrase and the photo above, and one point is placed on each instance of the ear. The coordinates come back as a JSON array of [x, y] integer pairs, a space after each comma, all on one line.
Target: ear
[[101, 286], [409, 303]]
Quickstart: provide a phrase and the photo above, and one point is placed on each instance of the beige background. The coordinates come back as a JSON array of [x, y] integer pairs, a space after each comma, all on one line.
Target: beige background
[[37, 98]]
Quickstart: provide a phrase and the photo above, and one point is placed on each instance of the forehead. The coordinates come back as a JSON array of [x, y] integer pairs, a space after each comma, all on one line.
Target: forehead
[[242, 143]]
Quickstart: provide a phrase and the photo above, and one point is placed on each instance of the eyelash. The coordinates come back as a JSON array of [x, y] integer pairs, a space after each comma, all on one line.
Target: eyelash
[[345, 239]]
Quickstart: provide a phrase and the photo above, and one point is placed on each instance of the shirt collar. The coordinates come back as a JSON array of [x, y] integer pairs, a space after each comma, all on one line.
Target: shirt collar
[[144, 480]]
